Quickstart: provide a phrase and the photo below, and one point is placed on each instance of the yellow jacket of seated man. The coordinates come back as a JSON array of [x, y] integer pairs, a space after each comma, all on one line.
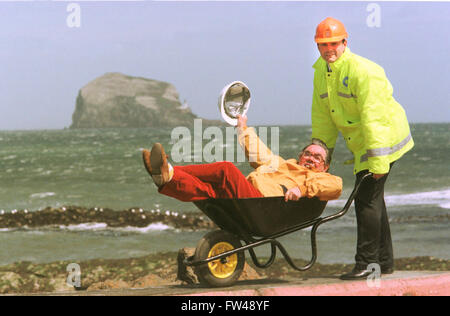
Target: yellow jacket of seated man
[[273, 172]]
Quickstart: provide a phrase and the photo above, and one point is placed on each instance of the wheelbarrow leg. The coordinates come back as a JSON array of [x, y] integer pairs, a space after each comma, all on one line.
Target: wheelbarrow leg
[[269, 262], [313, 250]]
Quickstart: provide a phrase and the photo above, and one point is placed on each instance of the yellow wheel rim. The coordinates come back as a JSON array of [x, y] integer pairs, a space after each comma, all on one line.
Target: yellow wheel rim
[[222, 268]]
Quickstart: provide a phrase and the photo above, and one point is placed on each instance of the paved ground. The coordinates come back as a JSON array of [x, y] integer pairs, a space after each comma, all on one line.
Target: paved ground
[[400, 283]]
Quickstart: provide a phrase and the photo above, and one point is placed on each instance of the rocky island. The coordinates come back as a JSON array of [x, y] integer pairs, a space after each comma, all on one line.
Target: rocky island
[[118, 100]]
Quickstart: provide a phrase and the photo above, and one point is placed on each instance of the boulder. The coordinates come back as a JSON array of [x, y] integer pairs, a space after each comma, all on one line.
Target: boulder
[[148, 281], [249, 273], [186, 274], [9, 282], [109, 285], [59, 284]]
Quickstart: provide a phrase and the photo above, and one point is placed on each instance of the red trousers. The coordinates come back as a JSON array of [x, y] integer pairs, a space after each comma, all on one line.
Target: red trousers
[[204, 181]]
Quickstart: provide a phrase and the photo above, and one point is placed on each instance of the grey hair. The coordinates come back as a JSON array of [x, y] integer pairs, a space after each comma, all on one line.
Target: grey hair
[[328, 151]]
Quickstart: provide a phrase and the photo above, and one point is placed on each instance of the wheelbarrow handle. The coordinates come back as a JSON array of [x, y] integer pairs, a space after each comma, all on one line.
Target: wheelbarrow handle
[[320, 222], [349, 200]]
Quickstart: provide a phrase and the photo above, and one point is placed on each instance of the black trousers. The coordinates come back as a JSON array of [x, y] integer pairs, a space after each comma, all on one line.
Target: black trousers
[[374, 244]]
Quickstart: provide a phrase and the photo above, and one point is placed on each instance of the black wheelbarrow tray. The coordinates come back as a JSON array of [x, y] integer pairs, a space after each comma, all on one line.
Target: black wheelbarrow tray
[[219, 256]]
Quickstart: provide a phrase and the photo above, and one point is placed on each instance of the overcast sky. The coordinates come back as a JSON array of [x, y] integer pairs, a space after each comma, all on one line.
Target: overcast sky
[[201, 46]]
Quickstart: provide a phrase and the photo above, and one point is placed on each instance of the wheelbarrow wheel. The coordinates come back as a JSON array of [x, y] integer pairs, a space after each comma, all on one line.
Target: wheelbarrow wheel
[[221, 272]]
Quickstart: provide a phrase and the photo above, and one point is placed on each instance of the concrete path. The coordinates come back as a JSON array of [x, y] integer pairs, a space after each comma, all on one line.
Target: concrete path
[[414, 283]]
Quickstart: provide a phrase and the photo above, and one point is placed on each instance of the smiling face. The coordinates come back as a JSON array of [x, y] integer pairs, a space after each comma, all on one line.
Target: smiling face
[[313, 158], [332, 51]]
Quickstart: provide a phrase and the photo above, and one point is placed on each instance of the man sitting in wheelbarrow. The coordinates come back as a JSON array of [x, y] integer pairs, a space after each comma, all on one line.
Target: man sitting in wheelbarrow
[[273, 175]]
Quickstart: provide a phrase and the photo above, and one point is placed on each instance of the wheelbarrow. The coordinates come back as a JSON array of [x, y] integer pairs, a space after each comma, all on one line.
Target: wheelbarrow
[[219, 256]]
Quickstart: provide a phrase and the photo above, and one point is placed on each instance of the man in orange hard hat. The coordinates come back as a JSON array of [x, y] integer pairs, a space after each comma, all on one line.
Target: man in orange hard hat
[[353, 96], [331, 39]]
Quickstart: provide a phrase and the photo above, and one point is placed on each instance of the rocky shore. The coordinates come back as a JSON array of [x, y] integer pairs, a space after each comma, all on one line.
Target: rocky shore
[[72, 215], [134, 217], [160, 269], [155, 269]]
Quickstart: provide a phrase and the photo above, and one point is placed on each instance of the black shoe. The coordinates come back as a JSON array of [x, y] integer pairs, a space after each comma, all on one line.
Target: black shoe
[[356, 274], [387, 270]]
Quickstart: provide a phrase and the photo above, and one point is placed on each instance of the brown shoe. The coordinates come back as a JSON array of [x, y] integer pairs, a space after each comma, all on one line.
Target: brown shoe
[[155, 161]]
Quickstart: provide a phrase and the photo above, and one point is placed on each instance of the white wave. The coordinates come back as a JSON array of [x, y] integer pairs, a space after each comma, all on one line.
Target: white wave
[[42, 195], [103, 226], [440, 198], [420, 198], [85, 226], [152, 227], [445, 205]]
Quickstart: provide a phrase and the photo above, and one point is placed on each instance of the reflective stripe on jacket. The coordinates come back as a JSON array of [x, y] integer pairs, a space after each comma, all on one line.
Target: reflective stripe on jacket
[[273, 172], [355, 98]]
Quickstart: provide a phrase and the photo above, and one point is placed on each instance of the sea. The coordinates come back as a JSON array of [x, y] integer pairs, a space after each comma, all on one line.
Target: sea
[[103, 168]]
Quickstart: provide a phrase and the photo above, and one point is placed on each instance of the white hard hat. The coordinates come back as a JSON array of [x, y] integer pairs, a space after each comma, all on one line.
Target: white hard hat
[[233, 100]]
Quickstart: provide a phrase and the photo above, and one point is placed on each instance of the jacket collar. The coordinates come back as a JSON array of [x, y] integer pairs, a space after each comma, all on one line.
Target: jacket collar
[[321, 64]]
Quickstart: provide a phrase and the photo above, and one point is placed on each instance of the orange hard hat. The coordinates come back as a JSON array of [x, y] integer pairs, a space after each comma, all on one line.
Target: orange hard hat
[[330, 30]]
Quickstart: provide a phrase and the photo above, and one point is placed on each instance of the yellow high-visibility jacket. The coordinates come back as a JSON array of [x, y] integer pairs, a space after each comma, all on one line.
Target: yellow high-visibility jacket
[[355, 98], [273, 172]]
